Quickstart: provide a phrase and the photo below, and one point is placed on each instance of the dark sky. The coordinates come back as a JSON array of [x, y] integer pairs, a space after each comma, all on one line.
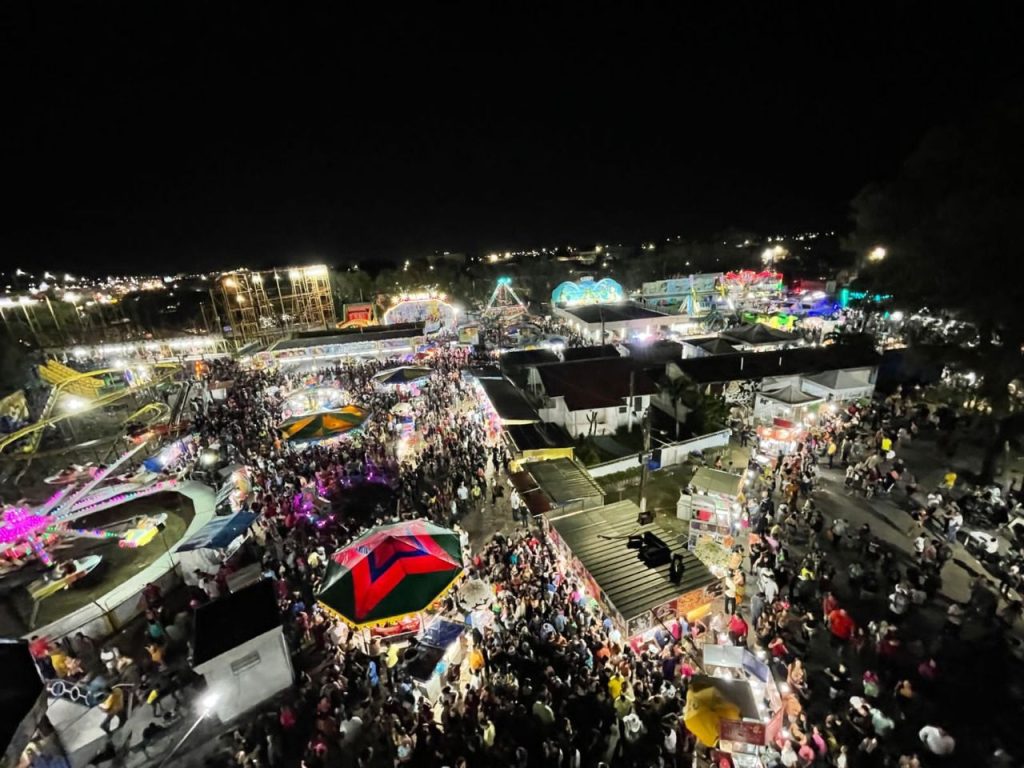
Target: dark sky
[[213, 134]]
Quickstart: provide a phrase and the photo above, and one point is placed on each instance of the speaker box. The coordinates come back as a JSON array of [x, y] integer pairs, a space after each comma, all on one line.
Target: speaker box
[[654, 551]]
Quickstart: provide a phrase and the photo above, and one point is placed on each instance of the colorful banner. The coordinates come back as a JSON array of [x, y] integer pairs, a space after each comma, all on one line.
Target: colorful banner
[[435, 314], [358, 314]]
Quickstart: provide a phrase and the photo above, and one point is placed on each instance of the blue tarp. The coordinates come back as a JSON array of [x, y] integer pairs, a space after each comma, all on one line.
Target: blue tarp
[[442, 633], [219, 532]]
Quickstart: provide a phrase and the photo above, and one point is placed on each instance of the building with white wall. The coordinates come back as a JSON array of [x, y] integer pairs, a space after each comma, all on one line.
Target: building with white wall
[[240, 649], [594, 397]]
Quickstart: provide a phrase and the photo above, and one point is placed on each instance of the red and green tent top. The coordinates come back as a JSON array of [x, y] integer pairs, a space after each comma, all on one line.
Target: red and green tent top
[[391, 572]]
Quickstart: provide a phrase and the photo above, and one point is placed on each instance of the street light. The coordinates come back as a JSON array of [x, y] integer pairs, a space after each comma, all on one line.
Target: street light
[[206, 704], [877, 253]]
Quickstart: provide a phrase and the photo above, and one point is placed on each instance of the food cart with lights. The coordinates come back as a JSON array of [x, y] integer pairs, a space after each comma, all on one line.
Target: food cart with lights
[[780, 438], [744, 680], [713, 503]]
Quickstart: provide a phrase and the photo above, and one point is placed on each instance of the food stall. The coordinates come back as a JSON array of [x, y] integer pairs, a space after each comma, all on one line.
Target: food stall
[[753, 719], [780, 438], [626, 569], [713, 505]]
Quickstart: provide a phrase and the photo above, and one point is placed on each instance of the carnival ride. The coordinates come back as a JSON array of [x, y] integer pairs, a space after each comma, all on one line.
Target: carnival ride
[[300, 402], [78, 393], [404, 374], [34, 530], [504, 301]]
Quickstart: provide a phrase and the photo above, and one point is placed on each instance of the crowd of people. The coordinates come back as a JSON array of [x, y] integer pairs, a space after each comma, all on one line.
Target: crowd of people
[[550, 681]]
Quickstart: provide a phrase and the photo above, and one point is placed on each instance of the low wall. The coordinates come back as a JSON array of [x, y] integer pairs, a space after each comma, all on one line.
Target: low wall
[[675, 453], [108, 613]]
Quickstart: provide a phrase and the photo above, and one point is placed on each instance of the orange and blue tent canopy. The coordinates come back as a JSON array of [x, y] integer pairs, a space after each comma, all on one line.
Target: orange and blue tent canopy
[[324, 424]]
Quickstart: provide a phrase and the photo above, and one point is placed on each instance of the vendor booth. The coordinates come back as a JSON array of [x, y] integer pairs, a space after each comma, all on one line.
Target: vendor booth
[[712, 505], [736, 707], [840, 386], [789, 402], [433, 655], [780, 438], [640, 575], [208, 549]]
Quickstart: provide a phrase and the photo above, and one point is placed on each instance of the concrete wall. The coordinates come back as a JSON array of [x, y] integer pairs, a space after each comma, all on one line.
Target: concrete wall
[[267, 671], [676, 453], [108, 613], [609, 420]]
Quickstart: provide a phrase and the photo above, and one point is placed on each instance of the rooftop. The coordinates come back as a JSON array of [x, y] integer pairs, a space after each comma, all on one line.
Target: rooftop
[[19, 692], [758, 333], [613, 313], [521, 357], [350, 336], [230, 621], [744, 366], [597, 537], [656, 352], [538, 436], [595, 383], [791, 395], [716, 481], [564, 480], [575, 354], [509, 403]]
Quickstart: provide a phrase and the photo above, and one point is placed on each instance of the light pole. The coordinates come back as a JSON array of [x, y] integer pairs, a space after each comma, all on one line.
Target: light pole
[[207, 703]]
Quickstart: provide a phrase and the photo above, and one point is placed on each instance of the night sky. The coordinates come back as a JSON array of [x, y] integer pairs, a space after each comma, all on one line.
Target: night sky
[[196, 136]]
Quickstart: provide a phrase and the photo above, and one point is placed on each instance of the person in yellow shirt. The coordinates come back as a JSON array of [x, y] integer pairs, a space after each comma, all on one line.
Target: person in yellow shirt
[[113, 706], [949, 480], [59, 660], [615, 686]]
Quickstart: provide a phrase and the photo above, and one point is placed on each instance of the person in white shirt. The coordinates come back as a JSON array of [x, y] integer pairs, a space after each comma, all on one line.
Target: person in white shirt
[[937, 740]]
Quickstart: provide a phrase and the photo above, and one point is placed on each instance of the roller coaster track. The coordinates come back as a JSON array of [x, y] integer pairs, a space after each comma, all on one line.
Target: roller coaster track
[[163, 372]]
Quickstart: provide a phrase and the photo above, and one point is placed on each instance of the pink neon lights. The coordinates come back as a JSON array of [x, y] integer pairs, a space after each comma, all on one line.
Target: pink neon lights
[[19, 523]]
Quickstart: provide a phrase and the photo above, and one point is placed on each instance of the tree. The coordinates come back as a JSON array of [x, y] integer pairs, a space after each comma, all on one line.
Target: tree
[[950, 226], [706, 413], [679, 389]]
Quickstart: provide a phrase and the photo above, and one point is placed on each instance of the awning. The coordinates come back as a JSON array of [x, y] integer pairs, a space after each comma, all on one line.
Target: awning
[[219, 532]]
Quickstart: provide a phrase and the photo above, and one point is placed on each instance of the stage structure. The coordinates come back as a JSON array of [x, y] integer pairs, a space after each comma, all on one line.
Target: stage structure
[[259, 306], [504, 302]]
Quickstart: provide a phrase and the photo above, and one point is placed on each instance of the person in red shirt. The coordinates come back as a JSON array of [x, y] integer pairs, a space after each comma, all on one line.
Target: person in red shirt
[[828, 604], [738, 630], [841, 626]]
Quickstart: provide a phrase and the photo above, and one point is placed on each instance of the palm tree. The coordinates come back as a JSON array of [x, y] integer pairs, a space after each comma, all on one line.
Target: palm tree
[[679, 390], [704, 411]]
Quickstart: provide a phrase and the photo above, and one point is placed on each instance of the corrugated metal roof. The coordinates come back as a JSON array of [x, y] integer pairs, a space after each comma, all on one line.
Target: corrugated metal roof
[[564, 480], [716, 481], [509, 403], [598, 538]]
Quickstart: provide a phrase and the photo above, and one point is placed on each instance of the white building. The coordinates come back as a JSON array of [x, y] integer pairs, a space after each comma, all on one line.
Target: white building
[[620, 322], [594, 397], [240, 649]]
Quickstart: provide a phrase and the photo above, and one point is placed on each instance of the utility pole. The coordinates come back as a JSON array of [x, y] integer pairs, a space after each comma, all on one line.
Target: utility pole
[[632, 389], [644, 458]]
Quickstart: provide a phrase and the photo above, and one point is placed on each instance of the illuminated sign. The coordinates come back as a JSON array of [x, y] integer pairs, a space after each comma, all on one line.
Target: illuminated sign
[[588, 291]]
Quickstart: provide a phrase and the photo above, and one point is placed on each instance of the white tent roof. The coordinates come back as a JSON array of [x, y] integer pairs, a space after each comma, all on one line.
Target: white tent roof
[[838, 380], [791, 395]]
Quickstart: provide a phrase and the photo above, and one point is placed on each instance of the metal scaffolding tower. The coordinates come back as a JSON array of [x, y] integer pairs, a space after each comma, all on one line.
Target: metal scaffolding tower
[[261, 306]]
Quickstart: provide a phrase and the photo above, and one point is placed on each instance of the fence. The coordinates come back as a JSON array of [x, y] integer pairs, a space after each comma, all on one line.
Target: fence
[[674, 453]]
